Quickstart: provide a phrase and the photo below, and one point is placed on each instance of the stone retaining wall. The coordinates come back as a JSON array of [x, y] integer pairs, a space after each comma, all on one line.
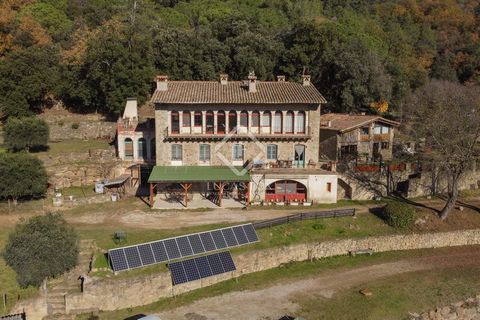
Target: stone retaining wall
[[463, 310], [111, 293]]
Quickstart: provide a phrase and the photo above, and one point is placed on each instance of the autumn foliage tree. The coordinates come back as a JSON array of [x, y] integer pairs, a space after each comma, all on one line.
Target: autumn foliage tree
[[444, 117]]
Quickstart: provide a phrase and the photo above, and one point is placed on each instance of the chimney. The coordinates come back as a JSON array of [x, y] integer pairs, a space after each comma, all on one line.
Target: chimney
[[280, 78], [223, 78], [306, 80], [252, 82], [162, 83], [329, 123]]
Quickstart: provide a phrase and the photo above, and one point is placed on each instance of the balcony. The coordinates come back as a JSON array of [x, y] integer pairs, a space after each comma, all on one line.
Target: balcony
[[259, 135], [381, 137]]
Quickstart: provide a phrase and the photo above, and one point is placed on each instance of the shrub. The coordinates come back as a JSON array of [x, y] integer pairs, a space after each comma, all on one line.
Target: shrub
[[26, 133], [21, 175], [399, 214], [41, 247], [75, 125]]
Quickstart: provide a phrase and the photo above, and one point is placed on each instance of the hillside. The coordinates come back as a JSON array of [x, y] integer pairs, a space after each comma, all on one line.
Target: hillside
[[92, 55]]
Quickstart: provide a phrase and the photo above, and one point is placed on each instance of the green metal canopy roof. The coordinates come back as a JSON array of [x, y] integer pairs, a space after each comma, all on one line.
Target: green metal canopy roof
[[198, 174]]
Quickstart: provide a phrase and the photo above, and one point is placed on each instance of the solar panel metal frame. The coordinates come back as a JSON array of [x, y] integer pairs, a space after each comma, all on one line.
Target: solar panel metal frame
[[180, 256], [201, 267]]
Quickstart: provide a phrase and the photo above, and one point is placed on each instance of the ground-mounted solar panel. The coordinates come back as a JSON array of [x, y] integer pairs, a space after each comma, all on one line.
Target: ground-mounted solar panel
[[201, 267], [182, 247], [178, 273], [172, 249], [219, 239], [146, 254], [196, 244], [250, 233], [207, 241], [240, 235], [159, 251], [118, 261], [230, 237]]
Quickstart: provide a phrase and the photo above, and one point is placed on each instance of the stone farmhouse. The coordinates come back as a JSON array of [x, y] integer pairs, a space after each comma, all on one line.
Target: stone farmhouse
[[230, 143], [364, 138]]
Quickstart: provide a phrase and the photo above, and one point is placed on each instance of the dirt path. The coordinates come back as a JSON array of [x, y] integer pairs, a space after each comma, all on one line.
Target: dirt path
[[277, 300]]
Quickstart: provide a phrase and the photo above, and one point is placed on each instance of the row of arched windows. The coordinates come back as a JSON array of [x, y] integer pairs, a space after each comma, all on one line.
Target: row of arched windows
[[141, 149], [292, 123]]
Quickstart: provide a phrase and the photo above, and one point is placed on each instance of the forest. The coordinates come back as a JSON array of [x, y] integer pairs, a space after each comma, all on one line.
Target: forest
[[362, 55]]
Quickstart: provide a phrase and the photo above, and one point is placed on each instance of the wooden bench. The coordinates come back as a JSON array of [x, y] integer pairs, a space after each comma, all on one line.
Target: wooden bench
[[368, 251]]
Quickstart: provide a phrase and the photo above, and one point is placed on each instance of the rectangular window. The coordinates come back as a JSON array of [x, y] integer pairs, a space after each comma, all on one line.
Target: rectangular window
[[197, 121], [255, 119], [266, 119], [385, 129], [365, 131], [272, 152], [277, 125], [329, 187], [237, 152], [204, 152], [377, 130], [176, 152], [186, 119], [385, 145], [244, 119]]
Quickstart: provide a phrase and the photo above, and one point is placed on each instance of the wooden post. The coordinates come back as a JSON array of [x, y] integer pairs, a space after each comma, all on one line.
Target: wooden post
[[220, 186], [247, 196], [151, 194], [185, 187]]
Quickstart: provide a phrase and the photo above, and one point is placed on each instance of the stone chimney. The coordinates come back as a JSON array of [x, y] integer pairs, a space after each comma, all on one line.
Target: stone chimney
[[329, 123], [252, 82], [162, 82], [280, 78], [306, 80], [224, 78]]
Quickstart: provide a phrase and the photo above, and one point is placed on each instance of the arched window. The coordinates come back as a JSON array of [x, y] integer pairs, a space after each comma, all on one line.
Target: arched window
[[175, 122], [221, 122], [286, 190], [153, 149], [300, 121], [186, 121], [244, 119], [142, 148], [277, 125], [197, 119], [255, 119], [266, 119], [210, 122], [128, 143], [289, 122], [232, 121]]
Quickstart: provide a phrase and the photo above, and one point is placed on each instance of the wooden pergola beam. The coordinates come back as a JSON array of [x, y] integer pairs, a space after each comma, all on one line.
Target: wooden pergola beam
[[220, 186], [152, 188], [186, 187]]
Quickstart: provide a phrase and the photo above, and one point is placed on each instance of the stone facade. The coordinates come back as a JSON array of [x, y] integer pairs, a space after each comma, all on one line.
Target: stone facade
[[111, 293], [366, 145], [468, 309]]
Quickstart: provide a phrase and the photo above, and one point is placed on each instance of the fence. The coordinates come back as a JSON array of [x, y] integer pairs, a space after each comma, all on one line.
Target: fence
[[304, 216]]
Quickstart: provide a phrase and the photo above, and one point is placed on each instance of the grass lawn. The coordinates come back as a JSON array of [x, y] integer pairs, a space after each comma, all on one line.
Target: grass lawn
[[409, 292], [75, 145], [445, 286]]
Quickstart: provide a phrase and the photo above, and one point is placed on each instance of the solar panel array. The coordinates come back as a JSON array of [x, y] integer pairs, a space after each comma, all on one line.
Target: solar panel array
[[166, 250], [201, 267]]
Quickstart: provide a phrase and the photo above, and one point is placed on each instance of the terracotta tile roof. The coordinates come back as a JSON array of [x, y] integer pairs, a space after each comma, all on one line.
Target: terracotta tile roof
[[268, 92], [345, 122]]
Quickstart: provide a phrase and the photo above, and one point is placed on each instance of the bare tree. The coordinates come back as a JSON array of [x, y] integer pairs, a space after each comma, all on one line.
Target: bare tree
[[444, 117]]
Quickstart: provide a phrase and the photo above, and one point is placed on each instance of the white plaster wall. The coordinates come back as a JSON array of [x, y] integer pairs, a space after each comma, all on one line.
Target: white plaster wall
[[317, 188]]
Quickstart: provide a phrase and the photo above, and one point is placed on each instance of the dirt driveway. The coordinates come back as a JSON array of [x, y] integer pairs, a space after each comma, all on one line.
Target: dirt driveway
[[277, 300]]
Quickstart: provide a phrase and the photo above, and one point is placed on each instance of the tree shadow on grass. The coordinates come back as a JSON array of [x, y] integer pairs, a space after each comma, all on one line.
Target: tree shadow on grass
[[413, 203], [463, 204]]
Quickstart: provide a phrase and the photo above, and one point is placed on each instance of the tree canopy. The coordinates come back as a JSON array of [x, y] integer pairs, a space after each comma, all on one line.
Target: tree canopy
[[41, 247], [21, 175], [95, 54], [26, 133]]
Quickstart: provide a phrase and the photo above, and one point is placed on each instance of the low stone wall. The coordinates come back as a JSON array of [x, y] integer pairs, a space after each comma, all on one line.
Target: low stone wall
[[111, 293], [463, 310]]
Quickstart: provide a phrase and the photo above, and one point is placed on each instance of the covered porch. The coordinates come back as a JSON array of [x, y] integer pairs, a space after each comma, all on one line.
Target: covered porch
[[177, 187]]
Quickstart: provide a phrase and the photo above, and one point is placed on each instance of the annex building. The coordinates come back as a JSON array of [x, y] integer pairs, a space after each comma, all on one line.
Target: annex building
[[237, 142]]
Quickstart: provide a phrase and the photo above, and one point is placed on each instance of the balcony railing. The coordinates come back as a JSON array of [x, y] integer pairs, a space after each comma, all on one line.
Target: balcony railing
[[178, 135]]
